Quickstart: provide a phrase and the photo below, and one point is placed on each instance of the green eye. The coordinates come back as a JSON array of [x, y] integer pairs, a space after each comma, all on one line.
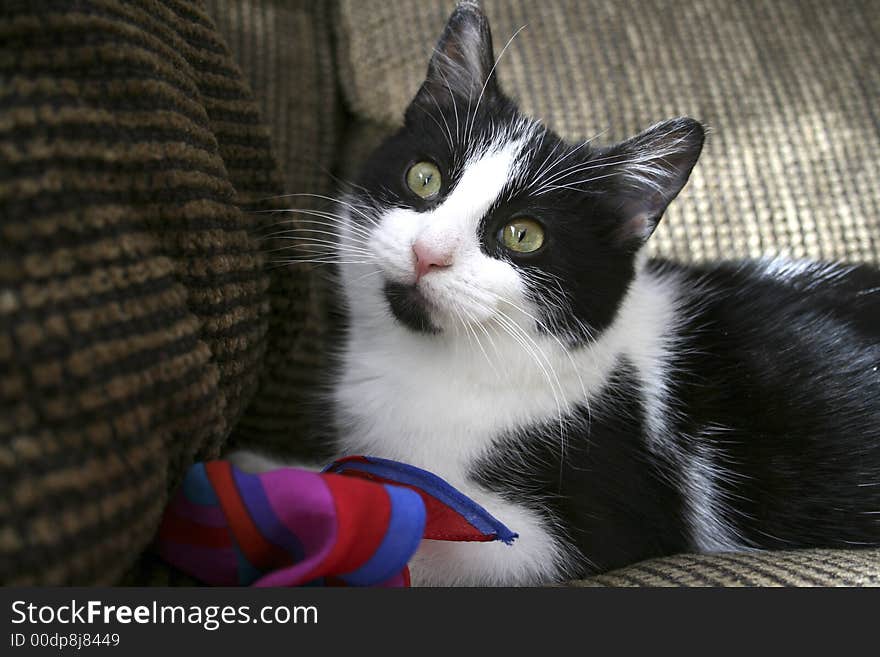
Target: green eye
[[424, 179], [522, 235]]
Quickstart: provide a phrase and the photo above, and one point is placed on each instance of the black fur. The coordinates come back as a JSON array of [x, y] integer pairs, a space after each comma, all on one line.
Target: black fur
[[615, 501], [779, 382], [791, 369], [408, 306]]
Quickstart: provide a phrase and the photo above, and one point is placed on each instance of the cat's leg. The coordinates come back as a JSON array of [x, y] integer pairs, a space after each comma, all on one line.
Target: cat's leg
[[256, 462], [535, 558]]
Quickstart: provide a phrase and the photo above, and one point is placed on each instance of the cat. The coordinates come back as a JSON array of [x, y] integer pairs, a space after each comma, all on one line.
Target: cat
[[507, 332]]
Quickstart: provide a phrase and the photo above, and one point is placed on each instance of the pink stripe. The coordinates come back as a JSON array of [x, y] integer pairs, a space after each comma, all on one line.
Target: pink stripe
[[303, 503]]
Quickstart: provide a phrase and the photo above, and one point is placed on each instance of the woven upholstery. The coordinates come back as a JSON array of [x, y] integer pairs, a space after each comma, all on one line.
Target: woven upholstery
[[795, 568], [133, 306], [789, 88]]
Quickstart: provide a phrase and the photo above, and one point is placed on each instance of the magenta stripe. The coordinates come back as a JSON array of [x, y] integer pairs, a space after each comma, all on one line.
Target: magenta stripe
[[302, 502]]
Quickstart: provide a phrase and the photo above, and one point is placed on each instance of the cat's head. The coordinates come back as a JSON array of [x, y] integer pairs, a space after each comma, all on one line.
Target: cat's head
[[475, 213]]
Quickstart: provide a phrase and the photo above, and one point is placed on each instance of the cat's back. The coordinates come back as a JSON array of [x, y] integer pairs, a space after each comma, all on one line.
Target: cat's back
[[781, 300], [781, 360], [793, 329]]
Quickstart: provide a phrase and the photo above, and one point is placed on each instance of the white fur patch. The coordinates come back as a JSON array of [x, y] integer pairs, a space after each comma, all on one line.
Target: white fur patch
[[254, 462], [699, 469], [804, 273], [707, 512]]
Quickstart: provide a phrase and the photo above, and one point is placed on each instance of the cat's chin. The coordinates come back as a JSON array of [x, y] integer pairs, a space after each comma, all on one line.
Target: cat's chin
[[410, 307]]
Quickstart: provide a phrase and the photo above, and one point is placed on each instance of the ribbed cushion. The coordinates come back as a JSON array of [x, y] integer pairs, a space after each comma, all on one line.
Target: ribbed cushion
[[133, 306], [794, 568], [789, 88]]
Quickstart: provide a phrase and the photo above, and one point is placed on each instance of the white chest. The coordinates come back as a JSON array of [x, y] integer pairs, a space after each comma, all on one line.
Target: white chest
[[442, 405], [443, 409]]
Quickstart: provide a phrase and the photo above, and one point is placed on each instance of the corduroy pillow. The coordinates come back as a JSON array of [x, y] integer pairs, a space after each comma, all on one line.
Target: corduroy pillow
[[133, 300]]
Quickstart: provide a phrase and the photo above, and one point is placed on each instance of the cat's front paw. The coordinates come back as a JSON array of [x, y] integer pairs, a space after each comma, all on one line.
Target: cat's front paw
[[255, 463]]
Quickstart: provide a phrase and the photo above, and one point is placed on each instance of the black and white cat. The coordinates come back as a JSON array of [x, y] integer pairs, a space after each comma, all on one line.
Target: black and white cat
[[507, 333]]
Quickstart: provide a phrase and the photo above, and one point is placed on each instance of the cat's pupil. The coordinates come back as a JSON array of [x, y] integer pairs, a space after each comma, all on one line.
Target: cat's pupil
[[521, 236]]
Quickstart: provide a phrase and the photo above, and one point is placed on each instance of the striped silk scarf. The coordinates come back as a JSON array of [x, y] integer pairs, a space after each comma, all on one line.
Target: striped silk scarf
[[357, 523]]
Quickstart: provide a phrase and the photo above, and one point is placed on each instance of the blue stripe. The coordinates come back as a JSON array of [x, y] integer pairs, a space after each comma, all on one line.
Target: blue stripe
[[405, 529], [197, 488], [434, 486]]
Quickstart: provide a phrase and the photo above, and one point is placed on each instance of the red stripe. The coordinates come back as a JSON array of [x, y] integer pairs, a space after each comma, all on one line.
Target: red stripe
[[363, 510], [182, 530], [443, 523], [261, 553], [349, 459]]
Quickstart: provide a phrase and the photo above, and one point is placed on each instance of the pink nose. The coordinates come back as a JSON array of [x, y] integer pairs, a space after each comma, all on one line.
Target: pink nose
[[428, 258]]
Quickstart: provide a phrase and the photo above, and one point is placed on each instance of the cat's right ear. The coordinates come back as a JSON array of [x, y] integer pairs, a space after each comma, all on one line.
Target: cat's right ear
[[460, 70], [645, 173]]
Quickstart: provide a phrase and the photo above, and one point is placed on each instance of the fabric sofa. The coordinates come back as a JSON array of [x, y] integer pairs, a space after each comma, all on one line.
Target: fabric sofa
[[143, 324]]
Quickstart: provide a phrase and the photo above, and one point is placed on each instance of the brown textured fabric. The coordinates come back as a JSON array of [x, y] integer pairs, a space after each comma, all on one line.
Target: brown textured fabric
[[789, 88], [133, 307], [794, 568], [285, 50]]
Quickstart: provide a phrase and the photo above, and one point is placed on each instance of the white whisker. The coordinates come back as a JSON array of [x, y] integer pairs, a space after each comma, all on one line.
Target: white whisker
[[489, 77]]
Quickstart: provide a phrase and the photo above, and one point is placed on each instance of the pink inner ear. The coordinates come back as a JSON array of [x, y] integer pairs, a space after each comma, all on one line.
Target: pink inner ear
[[637, 227]]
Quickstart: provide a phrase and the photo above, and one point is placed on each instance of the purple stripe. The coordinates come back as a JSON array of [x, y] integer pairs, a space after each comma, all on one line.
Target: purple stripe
[[303, 503], [250, 487]]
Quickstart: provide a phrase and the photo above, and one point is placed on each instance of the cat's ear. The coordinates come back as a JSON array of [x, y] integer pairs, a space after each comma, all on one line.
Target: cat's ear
[[460, 70], [649, 171]]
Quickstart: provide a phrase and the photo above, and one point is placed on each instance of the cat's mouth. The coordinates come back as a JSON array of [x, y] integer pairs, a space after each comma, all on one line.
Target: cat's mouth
[[410, 307]]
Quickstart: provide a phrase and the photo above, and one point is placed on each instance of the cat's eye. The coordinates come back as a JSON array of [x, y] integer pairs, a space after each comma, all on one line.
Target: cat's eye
[[522, 235], [424, 179]]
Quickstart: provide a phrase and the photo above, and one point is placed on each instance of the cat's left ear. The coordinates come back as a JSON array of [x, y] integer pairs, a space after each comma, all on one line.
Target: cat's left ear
[[648, 171], [460, 70]]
